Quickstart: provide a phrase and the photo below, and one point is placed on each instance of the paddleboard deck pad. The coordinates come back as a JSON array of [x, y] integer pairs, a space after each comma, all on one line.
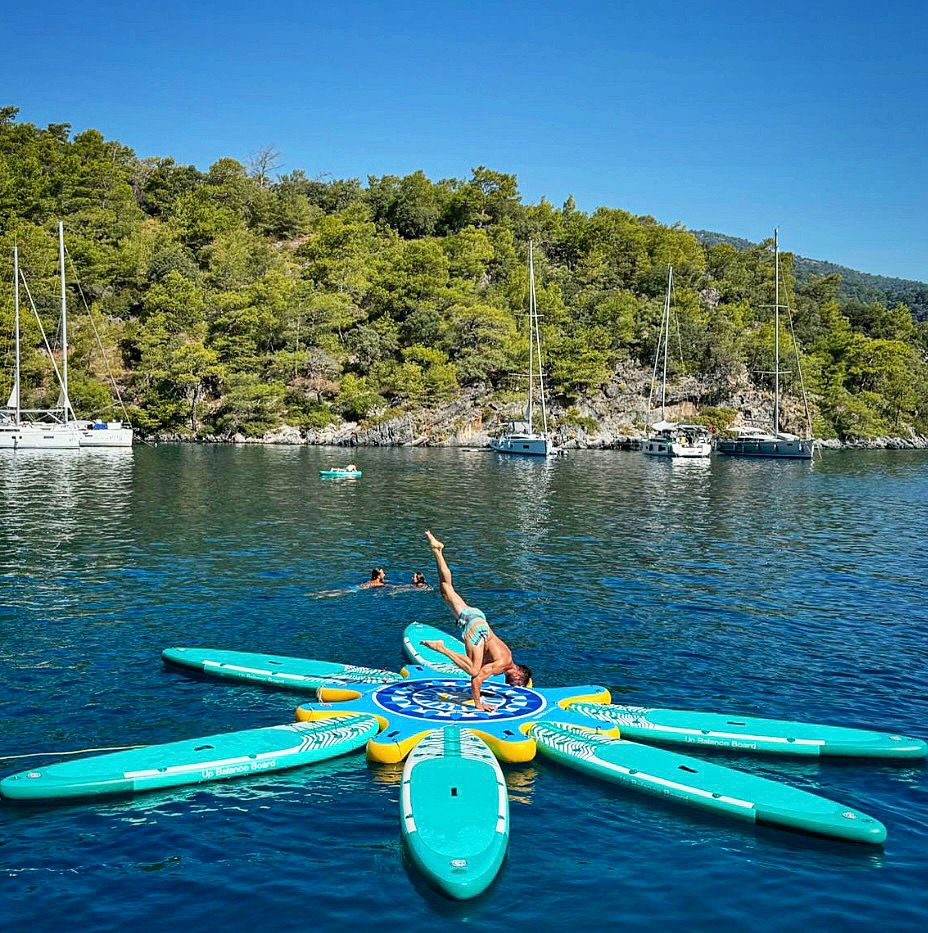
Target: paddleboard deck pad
[[454, 812], [192, 761], [752, 734], [274, 670], [702, 784]]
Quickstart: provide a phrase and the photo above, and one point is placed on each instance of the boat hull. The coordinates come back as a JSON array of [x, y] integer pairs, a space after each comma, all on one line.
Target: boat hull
[[106, 437], [524, 446], [29, 437], [658, 448], [773, 449]]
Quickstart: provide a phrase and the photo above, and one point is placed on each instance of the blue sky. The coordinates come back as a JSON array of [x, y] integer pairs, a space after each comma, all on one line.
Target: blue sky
[[728, 116]]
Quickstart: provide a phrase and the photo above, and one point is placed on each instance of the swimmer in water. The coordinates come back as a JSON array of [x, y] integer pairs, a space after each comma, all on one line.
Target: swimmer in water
[[487, 654], [378, 578]]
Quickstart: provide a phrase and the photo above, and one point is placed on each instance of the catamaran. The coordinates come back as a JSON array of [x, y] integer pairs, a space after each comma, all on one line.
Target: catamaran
[[520, 438], [671, 438], [777, 444]]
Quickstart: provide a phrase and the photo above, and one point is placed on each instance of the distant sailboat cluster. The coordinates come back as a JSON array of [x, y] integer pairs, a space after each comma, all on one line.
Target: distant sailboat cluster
[[55, 428], [673, 439]]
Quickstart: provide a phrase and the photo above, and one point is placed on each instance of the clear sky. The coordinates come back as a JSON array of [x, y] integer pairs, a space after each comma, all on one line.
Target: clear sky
[[726, 116]]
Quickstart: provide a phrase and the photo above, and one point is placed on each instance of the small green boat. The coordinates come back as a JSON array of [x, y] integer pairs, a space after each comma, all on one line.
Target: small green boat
[[193, 761], [752, 734], [454, 812], [705, 785], [273, 670]]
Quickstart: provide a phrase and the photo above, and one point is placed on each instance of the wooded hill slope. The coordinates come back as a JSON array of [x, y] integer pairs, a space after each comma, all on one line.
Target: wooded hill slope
[[856, 286], [233, 301]]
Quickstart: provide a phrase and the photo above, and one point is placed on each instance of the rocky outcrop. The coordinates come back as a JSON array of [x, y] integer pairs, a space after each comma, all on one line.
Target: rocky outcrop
[[614, 417]]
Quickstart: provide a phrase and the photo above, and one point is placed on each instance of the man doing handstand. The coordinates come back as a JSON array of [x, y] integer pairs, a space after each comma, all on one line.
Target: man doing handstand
[[487, 654]]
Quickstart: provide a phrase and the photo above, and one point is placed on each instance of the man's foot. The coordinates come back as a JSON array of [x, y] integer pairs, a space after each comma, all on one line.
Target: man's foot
[[436, 545], [434, 645]]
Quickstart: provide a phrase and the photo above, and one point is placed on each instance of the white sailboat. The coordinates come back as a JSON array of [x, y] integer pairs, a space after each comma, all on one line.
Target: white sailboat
[[16, 433], [671, 438], [60, 429], [520, 438], [775, 444]]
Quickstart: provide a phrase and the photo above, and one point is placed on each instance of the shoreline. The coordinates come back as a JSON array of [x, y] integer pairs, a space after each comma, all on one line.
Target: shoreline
[[292, 437]]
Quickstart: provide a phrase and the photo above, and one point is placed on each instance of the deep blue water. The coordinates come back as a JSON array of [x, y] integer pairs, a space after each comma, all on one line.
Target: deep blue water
[[774, 588]]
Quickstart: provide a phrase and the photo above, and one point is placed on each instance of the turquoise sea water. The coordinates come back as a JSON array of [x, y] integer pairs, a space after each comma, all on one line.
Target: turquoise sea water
[[777, 589]]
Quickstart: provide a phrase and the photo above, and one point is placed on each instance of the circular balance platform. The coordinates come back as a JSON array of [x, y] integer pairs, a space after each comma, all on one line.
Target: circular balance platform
[[408, 710]]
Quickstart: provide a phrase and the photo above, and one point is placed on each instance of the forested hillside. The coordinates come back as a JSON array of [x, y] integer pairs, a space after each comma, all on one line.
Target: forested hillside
[[855, 285], [234, 300]]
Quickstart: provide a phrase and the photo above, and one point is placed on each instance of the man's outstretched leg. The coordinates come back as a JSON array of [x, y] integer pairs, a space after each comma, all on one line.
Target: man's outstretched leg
[[472, 662], [448, 593]]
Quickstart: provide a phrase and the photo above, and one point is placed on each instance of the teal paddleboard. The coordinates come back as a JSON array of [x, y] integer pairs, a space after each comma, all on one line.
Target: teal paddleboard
[[417, 632], [272, 669], [334, 474], [751, 734], [703, 784], [193, 761], [454, 812]]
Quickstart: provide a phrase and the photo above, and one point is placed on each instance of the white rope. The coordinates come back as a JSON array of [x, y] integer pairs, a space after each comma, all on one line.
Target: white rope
[[802, 383], [51, 355], [96, 334], [657, 354]]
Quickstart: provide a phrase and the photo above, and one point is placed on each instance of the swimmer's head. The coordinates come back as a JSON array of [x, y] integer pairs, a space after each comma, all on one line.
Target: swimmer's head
[[378, 573], [418, 579], [519, 675]]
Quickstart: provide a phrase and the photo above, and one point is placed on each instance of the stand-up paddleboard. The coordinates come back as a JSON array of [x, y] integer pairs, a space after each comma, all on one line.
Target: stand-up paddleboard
[[274, 670], [193, 761], [702, 784], [417, 632], [454, 812], [335, 474], [751, 734]]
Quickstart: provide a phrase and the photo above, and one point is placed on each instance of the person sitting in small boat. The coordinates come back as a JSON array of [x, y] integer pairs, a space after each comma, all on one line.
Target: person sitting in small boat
[[378, 578], [351, 468], [487, 654]]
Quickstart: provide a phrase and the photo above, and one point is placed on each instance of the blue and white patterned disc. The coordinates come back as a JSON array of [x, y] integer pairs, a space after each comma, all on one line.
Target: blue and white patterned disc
[[449, 700]]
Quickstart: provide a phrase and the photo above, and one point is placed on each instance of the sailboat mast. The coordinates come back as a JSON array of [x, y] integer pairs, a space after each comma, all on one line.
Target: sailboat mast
[[666, 339], [531, 331], [64, 327], [776, 331], [541, 371], [16, 376]]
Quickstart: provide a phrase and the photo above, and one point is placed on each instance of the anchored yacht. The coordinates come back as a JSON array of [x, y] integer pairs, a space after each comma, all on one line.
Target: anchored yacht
[[773, 444], [521, 438], [669, 438]]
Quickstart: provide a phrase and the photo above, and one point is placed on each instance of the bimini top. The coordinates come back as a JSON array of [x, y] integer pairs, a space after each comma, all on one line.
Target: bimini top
[[672, 427], [520, 429], [759, 434]]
